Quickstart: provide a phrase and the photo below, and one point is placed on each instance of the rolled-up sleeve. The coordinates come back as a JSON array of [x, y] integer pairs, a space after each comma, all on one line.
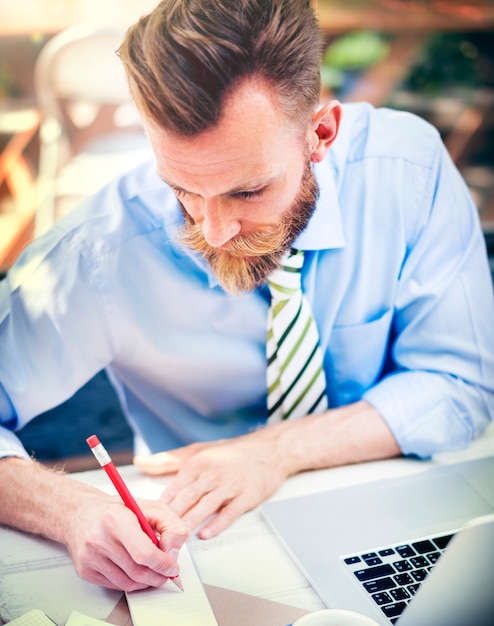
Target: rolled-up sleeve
[[9, 443], [440, 392]]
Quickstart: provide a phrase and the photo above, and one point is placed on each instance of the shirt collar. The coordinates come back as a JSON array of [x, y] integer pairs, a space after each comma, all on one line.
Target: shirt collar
[[325, 229]]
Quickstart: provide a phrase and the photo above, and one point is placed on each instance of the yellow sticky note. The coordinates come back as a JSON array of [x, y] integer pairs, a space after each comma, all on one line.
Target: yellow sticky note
[[78, 619], [33, 618]]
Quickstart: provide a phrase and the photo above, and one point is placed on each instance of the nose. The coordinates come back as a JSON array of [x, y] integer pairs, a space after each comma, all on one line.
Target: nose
[[218, 225]]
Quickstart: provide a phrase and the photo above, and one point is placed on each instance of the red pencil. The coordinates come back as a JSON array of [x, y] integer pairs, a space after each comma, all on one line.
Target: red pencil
[[107, 464]]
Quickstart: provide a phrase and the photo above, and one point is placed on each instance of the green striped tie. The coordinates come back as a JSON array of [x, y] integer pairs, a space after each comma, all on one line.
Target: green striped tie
[[295, 376]]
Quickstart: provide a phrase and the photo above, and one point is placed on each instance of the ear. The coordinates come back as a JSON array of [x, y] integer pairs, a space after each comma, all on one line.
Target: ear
[[324, 128]]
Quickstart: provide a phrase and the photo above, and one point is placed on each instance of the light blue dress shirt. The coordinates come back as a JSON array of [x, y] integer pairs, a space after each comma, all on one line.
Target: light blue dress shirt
[[395, 270]]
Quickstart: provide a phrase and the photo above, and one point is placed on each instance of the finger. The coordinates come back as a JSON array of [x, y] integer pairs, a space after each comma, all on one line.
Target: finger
[[201, 499], [159, 463], [173, 531], [113, 565], [151, 576], [185, 491], [130, 577], [134, 576], [208, 505], [172, 540], [167, 495], [225, 518], [188, 486], [171, 461]]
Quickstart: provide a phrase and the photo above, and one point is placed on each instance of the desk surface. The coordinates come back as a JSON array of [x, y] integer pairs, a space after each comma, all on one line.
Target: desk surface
[[39, 574]]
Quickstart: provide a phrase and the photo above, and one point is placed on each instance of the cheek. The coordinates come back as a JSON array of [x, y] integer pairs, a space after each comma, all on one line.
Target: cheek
[[280, 203], [264, 212]]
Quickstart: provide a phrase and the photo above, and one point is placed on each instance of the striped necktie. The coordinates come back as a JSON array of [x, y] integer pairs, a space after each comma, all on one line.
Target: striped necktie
[[295, 376]]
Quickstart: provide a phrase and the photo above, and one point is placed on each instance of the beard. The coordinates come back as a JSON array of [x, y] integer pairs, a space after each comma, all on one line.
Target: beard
[[246, 261]]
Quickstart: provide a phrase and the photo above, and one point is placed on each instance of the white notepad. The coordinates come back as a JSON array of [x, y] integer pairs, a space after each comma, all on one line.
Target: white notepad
[[169, 605]]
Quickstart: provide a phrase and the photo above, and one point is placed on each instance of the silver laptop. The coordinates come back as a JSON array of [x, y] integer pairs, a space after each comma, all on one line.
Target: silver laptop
[[402, 550]]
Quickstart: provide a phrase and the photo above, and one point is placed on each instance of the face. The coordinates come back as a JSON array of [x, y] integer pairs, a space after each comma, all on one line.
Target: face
[[246, 186], [245, 261]]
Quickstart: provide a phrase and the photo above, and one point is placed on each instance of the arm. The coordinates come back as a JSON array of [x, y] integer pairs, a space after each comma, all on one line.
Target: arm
[[103, 537], [57, 329], [435, 392], [232, 476]]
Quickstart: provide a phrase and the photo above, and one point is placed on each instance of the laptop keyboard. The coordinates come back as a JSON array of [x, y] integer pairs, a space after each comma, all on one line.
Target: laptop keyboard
[[392, 574]]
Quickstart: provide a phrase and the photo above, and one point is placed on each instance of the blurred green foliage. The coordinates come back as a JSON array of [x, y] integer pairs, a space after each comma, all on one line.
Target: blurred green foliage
[[448, 59], [351, 53], [356, 50]]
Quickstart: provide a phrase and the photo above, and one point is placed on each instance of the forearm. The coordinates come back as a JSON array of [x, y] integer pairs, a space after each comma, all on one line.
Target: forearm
[[38, 500], [350, 434]]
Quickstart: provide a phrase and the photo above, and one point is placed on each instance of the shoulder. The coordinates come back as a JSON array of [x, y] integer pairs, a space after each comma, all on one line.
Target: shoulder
[[127, 216], [367, 132], [134, 205]]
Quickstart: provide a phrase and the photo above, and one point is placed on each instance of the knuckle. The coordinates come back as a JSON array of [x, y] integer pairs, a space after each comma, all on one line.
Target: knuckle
[[142, 555], [193, 518], [231, 512], [132, 585], [143, 577], [191, 493]]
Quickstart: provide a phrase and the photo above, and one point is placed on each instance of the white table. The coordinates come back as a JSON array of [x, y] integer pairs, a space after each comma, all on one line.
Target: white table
[[246, 558]]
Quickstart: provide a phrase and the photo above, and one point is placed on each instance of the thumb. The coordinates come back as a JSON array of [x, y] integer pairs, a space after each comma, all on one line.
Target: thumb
[[159, 463]]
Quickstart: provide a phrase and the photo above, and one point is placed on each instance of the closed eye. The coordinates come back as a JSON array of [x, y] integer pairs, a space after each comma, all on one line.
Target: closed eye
[[247, 195], [180, 193], [243, 195]]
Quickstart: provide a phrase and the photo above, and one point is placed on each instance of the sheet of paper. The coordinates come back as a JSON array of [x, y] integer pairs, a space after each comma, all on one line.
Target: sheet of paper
[[248, 558], [169, 605], [33, 618], [36, 573]]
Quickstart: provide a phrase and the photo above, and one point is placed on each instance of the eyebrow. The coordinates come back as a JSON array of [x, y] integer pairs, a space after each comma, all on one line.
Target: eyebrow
[[231, 192]]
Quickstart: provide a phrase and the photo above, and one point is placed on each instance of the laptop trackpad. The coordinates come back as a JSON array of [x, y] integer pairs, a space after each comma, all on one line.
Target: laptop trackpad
[[428, 502]]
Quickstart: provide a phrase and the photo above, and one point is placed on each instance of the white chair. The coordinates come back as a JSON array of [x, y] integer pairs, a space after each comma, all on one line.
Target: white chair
[[90, 131]]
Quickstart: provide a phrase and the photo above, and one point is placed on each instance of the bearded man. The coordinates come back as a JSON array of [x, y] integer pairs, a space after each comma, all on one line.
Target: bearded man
[[162, 280]]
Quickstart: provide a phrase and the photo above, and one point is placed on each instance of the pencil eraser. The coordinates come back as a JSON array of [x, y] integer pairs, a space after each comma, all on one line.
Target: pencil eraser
[[92, 441]]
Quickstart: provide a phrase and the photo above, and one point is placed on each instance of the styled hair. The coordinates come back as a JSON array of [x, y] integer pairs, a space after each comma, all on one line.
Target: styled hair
[[185, 57]]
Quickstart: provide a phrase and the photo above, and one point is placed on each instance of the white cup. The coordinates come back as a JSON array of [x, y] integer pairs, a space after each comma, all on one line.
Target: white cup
[[335, 617]]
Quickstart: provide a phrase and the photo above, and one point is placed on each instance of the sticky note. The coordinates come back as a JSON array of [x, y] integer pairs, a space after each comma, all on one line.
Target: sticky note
[[78, 619], [33, 618]]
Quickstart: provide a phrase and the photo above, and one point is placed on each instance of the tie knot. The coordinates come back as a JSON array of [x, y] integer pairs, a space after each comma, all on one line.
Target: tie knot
[[286, 281]]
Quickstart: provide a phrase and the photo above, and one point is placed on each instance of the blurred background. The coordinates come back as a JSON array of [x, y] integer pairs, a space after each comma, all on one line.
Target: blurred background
[[67, 126]]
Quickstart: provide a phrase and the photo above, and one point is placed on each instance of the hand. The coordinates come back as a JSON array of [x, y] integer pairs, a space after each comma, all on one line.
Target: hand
[[226, 478], [109, 548]]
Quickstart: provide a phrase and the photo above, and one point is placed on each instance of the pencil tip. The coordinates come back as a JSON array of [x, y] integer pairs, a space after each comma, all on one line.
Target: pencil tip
[[176, 581]]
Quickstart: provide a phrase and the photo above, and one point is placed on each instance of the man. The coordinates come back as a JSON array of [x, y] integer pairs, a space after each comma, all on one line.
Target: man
[[162, 279]]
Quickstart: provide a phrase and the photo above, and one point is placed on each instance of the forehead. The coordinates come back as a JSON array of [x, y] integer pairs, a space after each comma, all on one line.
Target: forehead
[[253, 139]]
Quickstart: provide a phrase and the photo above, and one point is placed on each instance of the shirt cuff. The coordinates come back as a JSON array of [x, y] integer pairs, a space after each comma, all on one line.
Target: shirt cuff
[[426, 412], [10, 445]]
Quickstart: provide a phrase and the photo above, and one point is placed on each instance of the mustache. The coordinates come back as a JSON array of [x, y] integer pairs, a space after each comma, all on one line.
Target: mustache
[[257, 244]]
